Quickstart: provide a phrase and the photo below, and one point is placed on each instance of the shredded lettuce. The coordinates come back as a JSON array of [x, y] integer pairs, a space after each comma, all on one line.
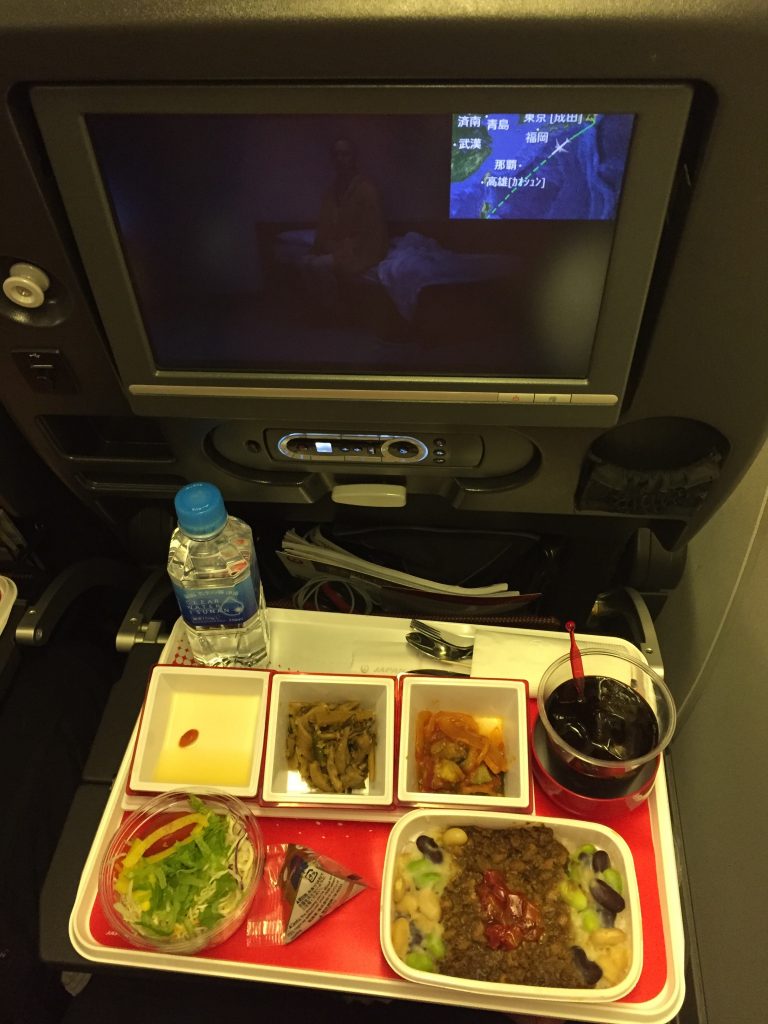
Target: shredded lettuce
[[185, 890]]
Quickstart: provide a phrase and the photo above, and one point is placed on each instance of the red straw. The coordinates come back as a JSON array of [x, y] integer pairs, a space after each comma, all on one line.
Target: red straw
[[577, 669]]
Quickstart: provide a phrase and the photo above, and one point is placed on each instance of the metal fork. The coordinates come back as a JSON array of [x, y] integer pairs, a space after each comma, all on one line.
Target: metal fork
[[438, 649], [435, 634]]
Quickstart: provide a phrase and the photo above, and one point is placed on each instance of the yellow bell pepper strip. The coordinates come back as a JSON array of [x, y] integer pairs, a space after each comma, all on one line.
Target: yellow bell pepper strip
[[172, 849], [187, 888], [140, 845]]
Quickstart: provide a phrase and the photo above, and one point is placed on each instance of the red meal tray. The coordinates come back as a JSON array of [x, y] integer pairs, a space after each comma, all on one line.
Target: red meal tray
[[342, 951], [349, 938]]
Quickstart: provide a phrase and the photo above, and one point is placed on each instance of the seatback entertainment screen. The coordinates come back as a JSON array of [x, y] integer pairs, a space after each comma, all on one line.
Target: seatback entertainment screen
[[466, 244]]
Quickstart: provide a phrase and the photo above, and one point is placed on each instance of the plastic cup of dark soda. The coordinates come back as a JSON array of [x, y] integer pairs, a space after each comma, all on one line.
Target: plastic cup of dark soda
[[611, 722]]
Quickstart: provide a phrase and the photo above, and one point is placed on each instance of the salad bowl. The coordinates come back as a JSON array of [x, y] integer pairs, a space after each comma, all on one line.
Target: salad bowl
[[180, 873]]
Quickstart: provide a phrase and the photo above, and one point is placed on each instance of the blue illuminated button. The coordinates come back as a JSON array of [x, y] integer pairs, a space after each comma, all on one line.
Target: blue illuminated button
[[403, 450]]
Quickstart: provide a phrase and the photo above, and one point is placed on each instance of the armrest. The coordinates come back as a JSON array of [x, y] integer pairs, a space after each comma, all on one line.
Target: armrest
[[41, 618], [629, 605], [139, 625]]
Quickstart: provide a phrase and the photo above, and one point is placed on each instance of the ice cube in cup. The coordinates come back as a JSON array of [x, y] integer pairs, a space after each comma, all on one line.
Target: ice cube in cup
[[611, 722]]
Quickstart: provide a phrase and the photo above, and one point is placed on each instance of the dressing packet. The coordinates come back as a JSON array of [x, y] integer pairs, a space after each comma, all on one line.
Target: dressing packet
[[298, 888]]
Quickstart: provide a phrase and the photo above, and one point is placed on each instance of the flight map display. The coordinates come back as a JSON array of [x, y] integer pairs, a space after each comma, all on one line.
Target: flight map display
[[538, 166]]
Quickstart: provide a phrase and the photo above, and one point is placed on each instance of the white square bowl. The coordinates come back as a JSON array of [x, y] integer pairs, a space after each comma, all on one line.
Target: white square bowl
[[489, 702], [285, 786], [573, 835], [227, 707]]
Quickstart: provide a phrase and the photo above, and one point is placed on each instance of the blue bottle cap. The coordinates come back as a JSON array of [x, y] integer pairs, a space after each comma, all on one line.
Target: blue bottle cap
[[200, 509]]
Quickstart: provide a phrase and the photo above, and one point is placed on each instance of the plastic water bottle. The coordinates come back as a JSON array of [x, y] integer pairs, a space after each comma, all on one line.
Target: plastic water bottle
[[212, 565]]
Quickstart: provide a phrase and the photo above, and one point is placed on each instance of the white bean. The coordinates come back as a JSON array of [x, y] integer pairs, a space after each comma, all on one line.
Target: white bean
[[401, 936], [408, 905], [454, 837], [614, 961], [607, 936], [429, 904], [422, 922]]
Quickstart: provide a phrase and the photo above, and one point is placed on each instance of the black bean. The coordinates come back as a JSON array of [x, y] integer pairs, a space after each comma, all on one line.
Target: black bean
[[430, 849], [606, 896], [591, 971], [600, 861], [416, 935]]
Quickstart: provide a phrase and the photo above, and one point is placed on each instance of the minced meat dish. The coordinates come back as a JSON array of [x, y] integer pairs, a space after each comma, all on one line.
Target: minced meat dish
[[529, 863]]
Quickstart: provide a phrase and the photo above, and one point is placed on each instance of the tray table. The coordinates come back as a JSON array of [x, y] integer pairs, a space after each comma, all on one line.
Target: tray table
[[348, 938]]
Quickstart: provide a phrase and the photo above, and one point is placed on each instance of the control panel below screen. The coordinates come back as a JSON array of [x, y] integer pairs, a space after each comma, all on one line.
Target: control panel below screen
[[390, 449]]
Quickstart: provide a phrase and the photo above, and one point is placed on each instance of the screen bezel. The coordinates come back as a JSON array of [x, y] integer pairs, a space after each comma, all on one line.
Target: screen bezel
[[660, 117]]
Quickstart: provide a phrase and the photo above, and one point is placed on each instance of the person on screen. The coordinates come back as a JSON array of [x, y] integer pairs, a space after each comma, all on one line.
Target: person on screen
[[351, 233], [351, 226]]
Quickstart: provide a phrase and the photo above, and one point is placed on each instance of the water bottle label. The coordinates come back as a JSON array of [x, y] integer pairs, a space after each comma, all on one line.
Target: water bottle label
[[220, 606]]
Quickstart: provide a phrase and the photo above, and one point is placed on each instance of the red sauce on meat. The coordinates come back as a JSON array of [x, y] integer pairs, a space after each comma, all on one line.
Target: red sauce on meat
[[510, 918]]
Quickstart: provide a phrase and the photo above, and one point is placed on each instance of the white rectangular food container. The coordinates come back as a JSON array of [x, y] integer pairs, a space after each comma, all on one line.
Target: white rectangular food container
[[573, 835], [285, 786], [489, 702], [225, 707]]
